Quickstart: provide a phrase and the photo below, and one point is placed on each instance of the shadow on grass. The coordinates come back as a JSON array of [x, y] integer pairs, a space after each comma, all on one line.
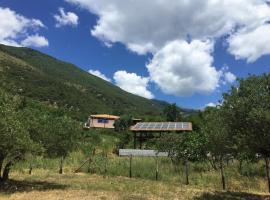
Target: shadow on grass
[[232, 196], [12, 186]]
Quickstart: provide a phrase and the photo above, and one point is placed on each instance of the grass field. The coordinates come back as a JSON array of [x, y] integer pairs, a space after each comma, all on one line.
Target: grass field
[[46, 183]]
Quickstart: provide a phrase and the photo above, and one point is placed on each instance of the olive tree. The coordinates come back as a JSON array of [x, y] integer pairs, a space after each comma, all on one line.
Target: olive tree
[[15, 140], [61, 135], [246, 109], [184, 147], [219, 144]]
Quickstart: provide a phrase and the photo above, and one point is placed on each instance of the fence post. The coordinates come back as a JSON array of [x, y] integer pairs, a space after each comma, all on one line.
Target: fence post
[[30, 168], [105, 166], [130, 166], [89, 165], [156, 168], [61, 165]]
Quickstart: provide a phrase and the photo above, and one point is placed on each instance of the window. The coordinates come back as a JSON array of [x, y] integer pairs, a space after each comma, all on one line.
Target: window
[[103, 121]]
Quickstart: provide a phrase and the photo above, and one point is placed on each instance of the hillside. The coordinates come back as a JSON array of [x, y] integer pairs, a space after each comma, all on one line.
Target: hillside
[[46, 79]]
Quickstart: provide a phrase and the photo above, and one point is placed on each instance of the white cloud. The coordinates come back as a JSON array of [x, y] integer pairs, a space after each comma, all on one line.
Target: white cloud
[[14, 27], [182, 68], [229, 77], [226, 77], [99, 74], [35, 41], [145, 26], [156, 27], [66, 18], [211, 105], [133, 83], [250, 45]]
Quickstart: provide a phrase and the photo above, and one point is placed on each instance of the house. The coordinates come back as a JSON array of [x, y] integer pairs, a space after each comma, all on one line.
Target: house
[[101, 121]]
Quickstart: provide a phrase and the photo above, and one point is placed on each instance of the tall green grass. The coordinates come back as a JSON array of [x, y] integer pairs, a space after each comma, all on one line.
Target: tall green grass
[[200, 173]]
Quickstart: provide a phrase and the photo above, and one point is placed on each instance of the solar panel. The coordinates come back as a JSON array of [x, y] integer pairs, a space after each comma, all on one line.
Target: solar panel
[[162, 126]]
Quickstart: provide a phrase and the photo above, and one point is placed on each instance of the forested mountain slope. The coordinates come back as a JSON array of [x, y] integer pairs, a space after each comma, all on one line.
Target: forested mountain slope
[[41, 77]]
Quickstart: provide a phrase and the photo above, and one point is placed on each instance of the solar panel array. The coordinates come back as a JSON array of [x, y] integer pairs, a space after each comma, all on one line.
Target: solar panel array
[[162, 126]]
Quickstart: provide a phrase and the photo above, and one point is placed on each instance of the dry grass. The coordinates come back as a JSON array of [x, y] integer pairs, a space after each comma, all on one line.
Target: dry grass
[[45, 185]]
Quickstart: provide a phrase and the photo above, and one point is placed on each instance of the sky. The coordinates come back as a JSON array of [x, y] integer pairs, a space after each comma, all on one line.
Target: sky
[[183, 52]]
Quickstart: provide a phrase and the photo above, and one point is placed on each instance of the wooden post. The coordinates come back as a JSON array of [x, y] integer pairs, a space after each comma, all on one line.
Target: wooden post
[[30, 168], [186, 169], [156, 168], [89, 166], [106, 160], [135, 140], [130, 166], [61, 165]]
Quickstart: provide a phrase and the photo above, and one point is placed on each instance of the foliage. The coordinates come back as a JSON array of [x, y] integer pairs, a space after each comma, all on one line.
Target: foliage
[[172, 113], [15, 140], [187, 146], [247, 113], [219, 144], [123, 123]]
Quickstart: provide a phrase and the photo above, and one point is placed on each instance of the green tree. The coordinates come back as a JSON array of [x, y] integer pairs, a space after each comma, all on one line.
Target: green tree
[[15, 140], [123, 123], [219, 144], [61, 137], [247, 113], [186, 147], [172, 113]]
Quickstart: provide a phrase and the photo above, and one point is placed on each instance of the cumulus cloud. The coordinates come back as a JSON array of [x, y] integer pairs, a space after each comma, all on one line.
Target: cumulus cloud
[[211, 104], [159, 21], [35, 41], [160, 26], [99, 74], [250, 45], [182, 68], [66, 18], [133, 83], [15, 28]]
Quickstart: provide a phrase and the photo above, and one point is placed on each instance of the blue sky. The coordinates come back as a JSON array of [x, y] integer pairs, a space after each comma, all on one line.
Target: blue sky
[[185, 58]]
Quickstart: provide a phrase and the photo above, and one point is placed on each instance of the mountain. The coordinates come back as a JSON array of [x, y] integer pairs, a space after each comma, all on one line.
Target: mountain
[[41, 77]]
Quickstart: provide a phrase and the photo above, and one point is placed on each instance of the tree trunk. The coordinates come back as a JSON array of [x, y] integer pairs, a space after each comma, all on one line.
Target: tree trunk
[[267, 172], [222, 174], [186, 169], [61, 166], [6, 171]]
